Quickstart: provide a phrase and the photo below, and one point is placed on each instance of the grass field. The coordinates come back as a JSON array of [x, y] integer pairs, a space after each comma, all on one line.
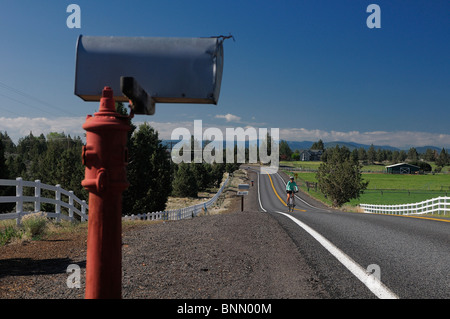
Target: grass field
[[366, 168], [388, 189]]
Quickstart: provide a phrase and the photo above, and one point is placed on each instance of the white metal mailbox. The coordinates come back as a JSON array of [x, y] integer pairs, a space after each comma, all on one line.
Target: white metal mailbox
[[170, 70]]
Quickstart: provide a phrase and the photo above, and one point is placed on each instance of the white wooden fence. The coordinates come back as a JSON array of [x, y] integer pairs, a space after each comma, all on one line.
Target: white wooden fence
[[181, 213], [431, 206], [58, 201], [68, 200]]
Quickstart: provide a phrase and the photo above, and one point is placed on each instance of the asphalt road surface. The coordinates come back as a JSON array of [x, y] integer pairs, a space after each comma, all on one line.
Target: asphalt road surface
[[360, 255]]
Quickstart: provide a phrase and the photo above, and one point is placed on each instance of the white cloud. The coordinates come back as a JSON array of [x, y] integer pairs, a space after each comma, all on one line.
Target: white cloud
[[229, 117], [396, 138], [22, 126]]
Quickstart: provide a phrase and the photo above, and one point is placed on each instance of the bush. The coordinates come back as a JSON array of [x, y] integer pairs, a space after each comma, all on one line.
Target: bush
[[8, 234], [34, 225]]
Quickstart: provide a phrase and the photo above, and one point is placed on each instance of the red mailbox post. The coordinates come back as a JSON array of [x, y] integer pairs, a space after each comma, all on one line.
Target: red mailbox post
[[105, 156]]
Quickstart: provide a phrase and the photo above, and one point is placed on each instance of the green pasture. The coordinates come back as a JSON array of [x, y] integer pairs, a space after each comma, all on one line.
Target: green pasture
[[428, 182], [314, 165], [388, 189]]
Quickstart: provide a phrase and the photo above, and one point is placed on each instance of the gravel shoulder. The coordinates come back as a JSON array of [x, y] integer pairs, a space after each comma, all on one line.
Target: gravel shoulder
[[231, 255]]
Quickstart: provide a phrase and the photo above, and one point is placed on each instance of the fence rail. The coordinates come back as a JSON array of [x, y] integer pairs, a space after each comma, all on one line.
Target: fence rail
[[181, 213], [436, 205], [38, 198]]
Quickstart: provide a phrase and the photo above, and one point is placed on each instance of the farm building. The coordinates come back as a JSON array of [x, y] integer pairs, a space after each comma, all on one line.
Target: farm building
[[402, 168], [311, 155]]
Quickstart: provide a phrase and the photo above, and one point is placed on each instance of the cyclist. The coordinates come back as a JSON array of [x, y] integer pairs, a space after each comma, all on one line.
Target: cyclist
[[291, 187]]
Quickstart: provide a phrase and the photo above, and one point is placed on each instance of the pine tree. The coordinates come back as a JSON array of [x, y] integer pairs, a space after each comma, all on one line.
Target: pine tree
[[217, 171], [202, 175], [362, 154], [442, 159], [318, 145], [285, 151], [339, 178], [371, 154], [8, 144], [4, 174], [148, 172], [184, 183], [412, 154]]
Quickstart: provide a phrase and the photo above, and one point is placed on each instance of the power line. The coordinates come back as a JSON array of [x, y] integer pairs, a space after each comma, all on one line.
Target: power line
[[23, 103], [26, 95], [9, 111]]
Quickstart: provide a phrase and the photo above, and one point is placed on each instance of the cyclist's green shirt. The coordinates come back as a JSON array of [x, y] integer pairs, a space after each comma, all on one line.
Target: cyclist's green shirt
[[291, 186]]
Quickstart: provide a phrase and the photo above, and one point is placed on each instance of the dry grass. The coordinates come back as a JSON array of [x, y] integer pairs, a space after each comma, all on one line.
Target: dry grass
[[225, 202]]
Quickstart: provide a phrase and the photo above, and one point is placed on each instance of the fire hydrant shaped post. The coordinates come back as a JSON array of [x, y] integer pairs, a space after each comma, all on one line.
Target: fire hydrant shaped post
[[105, 156]]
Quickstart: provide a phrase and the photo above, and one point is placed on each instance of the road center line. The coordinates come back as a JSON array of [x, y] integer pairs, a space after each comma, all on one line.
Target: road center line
[[276, 193], [296, 195]]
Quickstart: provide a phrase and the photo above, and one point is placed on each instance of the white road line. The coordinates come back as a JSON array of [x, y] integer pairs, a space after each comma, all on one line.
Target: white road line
[[372, 282], [259, 195]]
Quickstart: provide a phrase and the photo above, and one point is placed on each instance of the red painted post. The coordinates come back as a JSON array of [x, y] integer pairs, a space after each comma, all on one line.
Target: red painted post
[[105, 156]]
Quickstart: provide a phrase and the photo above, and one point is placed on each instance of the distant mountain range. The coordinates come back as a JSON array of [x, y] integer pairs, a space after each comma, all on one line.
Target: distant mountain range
[[351, 146], [304, 145]]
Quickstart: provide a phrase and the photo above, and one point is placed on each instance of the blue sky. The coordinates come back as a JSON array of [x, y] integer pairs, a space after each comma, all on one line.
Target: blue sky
[[313, 69]]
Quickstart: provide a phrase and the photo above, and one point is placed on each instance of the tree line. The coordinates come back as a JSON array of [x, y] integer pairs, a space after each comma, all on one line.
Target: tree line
[[52, 159], [56, 159], [379, 155], [153, 177]]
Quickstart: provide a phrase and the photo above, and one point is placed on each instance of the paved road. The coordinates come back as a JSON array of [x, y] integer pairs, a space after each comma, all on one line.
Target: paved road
[[409, 256]]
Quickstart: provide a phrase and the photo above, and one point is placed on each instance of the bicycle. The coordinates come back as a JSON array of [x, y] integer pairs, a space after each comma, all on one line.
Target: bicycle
[[291, 202]]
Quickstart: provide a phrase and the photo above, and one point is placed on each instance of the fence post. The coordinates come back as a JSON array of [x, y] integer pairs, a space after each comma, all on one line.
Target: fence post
[[37, 196], [83, 210], [19, 199], [71, 205], [58, 205]]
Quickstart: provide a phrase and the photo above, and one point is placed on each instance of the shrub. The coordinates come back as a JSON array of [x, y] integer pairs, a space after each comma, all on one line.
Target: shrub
[[8, 234], [34, 225]]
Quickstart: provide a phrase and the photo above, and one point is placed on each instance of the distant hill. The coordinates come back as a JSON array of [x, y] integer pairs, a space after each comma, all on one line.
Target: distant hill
[[351, 146], [423, 149], [305, 145]]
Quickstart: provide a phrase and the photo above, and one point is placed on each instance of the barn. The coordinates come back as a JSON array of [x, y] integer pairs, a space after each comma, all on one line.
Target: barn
[[402, 168], [311, 155]]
